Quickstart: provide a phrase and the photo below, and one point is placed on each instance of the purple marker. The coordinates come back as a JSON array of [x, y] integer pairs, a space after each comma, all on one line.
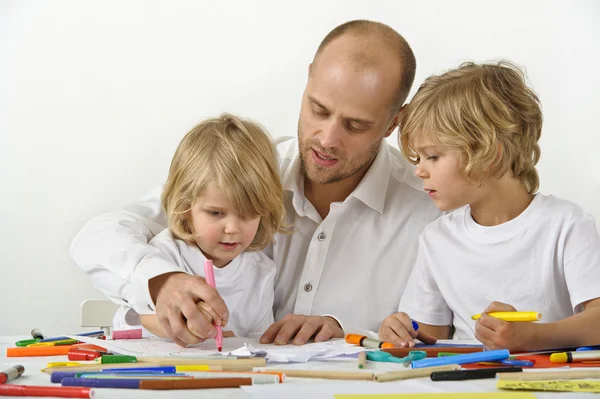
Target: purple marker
[[101, 383]]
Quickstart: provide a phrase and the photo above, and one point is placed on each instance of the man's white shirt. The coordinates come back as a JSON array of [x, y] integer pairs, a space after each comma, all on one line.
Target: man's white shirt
[[354, 264]]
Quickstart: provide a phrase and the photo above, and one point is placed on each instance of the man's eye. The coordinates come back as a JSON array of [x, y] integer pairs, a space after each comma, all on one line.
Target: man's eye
[[352, 128], [320, 113]]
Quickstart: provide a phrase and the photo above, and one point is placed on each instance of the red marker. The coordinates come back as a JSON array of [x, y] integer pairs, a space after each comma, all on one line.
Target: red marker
[[57, 392], [11, 374]]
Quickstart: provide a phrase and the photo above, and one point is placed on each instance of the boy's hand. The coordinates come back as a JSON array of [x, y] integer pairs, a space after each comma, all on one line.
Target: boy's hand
[[499, 334], [397, 329]]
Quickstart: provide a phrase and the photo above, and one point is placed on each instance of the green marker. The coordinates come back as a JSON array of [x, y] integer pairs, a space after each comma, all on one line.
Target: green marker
[[111, 359]]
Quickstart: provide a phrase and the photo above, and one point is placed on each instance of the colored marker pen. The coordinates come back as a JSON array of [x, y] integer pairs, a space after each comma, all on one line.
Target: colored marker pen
[[366, 342], [209, 276], [487, 356], [11, 373]]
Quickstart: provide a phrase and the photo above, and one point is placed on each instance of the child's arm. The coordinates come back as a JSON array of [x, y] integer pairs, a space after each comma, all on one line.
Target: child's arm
[[397, 329], [578, 330], [150, 323]]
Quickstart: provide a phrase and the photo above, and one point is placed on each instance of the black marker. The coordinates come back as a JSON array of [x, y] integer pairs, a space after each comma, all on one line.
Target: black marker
[[37, 334], [459, 375]]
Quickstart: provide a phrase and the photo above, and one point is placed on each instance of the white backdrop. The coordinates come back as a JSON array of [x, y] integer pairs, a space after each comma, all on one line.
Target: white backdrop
[[95, 96]]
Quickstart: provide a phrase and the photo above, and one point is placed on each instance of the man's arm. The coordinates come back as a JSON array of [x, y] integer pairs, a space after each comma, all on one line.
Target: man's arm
[[113, 251], [110, 247]]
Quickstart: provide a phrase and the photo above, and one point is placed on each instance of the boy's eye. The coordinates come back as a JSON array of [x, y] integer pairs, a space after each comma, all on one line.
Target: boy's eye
[[432, 157], [214, 213]]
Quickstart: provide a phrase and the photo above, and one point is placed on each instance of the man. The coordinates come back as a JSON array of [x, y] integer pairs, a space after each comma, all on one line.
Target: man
[[356, 209]]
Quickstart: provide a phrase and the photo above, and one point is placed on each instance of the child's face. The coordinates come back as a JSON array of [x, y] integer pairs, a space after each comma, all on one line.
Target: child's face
[[443, 179], [219, 231]]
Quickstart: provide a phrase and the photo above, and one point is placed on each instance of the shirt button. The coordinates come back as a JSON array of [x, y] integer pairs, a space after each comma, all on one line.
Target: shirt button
[[321, 236], [307, 287], [150, 308]]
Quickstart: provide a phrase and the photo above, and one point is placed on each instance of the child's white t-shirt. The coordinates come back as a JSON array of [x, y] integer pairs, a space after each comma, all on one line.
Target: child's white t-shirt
[[546, 260], [246, 285]]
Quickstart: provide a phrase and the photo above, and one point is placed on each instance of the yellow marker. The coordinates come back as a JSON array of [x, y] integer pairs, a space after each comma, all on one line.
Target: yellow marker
[[513, 316], [66, 364], [192, 367], [570, 357]]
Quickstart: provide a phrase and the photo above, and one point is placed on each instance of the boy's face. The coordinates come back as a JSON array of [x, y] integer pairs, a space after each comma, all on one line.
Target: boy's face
[[443, 179], [219, 231]]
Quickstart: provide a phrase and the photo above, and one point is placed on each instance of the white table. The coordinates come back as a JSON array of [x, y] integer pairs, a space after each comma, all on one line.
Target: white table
[[303, 388]]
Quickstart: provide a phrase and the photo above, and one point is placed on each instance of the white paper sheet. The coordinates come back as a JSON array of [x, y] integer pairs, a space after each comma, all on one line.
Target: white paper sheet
[[237, 346]]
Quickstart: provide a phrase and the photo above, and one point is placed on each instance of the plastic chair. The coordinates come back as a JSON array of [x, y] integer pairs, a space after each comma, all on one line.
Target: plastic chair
[[98, 313]]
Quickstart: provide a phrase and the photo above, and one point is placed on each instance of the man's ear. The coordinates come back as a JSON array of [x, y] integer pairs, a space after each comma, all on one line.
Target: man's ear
[[394, 122]]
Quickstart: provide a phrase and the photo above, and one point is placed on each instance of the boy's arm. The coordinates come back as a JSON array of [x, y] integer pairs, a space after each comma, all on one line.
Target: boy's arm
[[398, 329], [578, 330]]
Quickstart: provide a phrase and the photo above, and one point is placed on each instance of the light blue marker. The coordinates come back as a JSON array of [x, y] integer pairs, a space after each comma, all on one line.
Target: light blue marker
[[487, 356]]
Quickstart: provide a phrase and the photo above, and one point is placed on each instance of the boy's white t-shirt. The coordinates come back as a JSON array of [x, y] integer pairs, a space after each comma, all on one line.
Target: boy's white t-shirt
[[246, 285], [546, 260]]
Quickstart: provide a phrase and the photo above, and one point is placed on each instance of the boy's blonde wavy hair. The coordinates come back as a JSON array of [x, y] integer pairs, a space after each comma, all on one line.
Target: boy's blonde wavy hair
[[486, 113], [239, 157]]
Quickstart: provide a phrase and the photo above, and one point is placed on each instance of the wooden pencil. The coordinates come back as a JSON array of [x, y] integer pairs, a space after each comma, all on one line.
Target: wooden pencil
[[413, 373], [549, 375], [328, 375], [177, 361], [362, 360]]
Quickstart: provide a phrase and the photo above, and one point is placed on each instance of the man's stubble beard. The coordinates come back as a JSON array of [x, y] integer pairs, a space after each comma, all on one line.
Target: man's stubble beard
[[348, 168]]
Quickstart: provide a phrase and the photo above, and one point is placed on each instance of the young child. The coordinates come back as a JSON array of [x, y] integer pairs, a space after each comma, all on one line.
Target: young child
[[473, 133], [224, 202]]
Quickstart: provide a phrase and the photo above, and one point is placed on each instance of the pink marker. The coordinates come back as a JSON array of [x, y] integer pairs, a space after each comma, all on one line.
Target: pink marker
[[127, 334], [209, 276]]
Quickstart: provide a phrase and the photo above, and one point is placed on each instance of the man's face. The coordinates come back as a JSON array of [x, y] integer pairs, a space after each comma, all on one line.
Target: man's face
[[345, 114]]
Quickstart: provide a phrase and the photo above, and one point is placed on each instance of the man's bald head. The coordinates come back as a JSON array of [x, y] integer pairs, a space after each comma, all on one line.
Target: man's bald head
[[369, 45]]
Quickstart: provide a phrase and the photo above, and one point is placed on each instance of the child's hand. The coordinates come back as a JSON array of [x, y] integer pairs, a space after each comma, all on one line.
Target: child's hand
[[209, 314], [397, 329], [499, 334]]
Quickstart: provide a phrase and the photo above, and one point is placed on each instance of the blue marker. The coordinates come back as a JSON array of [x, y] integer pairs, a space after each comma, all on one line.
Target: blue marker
[[487, 356], [139, 376], [157, 369], [93, 334], [517, 363], [415, 325], [588, 348]]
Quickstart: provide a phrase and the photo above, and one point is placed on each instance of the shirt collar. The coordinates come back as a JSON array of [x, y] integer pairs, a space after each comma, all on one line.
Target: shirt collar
[[372, 189]]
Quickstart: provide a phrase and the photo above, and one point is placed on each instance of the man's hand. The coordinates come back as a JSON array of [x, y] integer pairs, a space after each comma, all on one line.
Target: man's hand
[[398, 330], [301, 328], [176, 296], [499, 334]]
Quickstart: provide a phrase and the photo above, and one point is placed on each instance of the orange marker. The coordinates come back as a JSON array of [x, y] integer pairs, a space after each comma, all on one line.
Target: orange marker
[[48, 350], [367, 342], [38, 351]]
